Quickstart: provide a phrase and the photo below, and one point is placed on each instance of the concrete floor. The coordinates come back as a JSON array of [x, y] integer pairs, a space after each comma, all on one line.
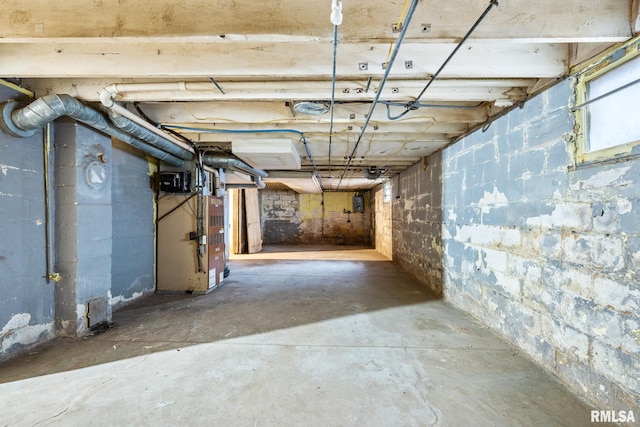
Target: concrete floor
[[325, 338]]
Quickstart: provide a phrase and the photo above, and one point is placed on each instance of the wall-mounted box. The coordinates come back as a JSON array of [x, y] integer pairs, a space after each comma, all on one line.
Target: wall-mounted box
[[175, 182]]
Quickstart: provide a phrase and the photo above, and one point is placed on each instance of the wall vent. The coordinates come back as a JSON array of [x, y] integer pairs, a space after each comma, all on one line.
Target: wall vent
[[96, 312]]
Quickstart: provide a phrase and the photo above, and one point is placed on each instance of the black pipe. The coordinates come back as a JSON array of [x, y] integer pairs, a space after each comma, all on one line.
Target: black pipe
[[392, 59], [415, 104]]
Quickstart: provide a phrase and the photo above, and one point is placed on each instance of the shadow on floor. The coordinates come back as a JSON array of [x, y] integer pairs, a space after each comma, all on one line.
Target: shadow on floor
[[260, 295]]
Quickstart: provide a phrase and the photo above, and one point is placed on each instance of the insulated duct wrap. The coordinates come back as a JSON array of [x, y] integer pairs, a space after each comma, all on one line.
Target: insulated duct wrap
[[138, 131], [27, 121]]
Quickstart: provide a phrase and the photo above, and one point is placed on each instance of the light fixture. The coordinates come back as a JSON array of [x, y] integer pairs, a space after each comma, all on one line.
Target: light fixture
[[373, 172], [310, 108], [336, 12]]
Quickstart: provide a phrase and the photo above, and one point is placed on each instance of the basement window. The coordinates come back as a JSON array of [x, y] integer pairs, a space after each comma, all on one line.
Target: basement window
[[607, 108], [386, 195]]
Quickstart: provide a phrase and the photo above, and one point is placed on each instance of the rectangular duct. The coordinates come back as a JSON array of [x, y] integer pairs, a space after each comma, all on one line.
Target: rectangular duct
[[269, 154]]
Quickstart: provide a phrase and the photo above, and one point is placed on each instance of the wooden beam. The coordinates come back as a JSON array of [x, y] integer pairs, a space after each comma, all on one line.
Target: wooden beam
[[276, 61], [575, 20], [635, 16]]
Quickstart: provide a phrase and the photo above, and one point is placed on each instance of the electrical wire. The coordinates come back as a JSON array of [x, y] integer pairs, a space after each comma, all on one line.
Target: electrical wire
[[333, 90], [404, 7], [415, 104], [407, 21], [389, 104], [17, 88]]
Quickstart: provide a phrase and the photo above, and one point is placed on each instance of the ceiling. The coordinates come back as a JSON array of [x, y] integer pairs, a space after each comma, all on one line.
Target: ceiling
[[242, 65]]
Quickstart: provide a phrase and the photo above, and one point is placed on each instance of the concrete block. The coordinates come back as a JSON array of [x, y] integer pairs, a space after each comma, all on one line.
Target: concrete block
[[493, 174], [608, 252], [556, 97], [524, 268], [525, 164], [600, 323], [531, 110], [519, 212], [615, 295], [573, 344], [633, 249], [551, 245], [628, 211], [549, 128], [605, 219], [602, 181], [630, 336], [558, 156], [485, 153], [532, 244], [494, 260], [473, 140], [574, 216], [557, 181], [576, 249], [469, 215], [496, 216], [515, 139], [615, 365], [512, 189], [510, 285]]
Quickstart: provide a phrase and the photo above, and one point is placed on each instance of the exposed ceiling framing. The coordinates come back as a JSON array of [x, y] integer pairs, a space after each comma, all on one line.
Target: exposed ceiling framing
[[267, 55]]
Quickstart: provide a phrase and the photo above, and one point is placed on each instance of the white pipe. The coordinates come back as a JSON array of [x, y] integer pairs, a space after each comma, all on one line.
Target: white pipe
[[107, 99]]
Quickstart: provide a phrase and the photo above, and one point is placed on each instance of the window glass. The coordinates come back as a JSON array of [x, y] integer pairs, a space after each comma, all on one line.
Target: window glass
[[387, 192], [613, 120]]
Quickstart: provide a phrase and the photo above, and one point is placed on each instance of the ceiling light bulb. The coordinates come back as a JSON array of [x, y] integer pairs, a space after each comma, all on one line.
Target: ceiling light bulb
[[336, 12]]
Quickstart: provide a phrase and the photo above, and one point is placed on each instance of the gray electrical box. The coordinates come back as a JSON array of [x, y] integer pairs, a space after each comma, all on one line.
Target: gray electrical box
[[358, 203]]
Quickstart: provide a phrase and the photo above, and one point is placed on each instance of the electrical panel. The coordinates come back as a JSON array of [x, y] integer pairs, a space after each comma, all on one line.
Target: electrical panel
[[175, 182], [358, 203]]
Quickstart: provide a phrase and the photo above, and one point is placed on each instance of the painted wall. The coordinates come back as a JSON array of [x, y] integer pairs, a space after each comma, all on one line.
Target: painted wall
[[292, 218], [382, 229], [82, 244], [26, 299], [133, 245], [547, 256], [83, 179], [417, 221]]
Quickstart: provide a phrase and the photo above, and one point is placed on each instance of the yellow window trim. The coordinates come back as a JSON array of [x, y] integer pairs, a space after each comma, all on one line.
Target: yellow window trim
[[582, 75]]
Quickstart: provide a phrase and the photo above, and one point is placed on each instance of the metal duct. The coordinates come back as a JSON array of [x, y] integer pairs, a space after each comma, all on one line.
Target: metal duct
[[257, 182], [226, 162], [138, 131], [27, 121]]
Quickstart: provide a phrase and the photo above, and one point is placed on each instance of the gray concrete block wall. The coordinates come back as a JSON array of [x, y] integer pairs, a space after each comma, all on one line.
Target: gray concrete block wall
[[417, 222], [83, 225], [133, 244], [26, 299], [546, 255]]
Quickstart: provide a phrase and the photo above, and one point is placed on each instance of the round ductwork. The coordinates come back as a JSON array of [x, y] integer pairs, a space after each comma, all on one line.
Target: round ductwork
[[310, 108]]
